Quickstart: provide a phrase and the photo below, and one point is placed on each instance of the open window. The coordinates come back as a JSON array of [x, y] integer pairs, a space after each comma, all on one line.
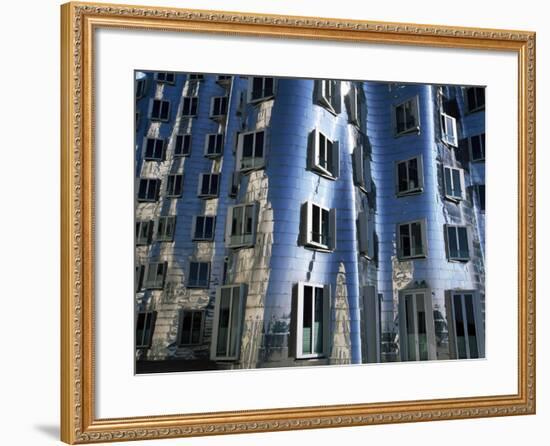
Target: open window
[[324, 155], [228, 321], [241, 225], [318, 227], [449, 133], [327, 94]]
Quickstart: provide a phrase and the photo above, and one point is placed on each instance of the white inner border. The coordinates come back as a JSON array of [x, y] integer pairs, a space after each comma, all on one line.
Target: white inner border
[[121, 394]]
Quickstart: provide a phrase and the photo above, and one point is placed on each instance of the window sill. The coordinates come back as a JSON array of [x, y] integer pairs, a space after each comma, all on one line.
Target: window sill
[[453, 260], [414, 130], [323, 173], [207, 197], [213, 155], [455, 200], [258, 100], [315, 247], [404, 259], [408, 193], [247, 170], [197, 287]]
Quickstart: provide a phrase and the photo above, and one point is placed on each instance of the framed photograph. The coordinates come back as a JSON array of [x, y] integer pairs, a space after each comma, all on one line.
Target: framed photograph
[[274, 223]]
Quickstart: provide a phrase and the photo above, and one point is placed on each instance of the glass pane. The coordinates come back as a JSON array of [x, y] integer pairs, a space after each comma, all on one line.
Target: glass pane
[[236, 221], [471, 98], [403, 184], [203, 274], [164, 112], [463, 243], [405, 240], [213, 184], [257, 87], [248, 145], [480, 96], [205, 186], [196, 327], [448, 182], [307, 320], [155, 113], [140, 329], [459, 326], [471, 326], [318, 324], [234, 331], [411, 335], [457, 186], [208, 227], [451, 238], [400, 118], [413, 174], [422, 332], [259, 148], [268, 86], [199, 227], [325, 227], [142, 189], [416, 232], [481, 196], [476, 148], [410, 115], [186, 327], [193, 273], [315, 224], [223, 322]]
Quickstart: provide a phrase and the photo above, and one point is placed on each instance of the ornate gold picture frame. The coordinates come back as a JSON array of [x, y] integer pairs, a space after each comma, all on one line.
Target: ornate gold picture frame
[[79, 22]]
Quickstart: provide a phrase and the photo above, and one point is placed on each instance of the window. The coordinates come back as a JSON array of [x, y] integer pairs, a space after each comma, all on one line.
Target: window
[[141, 87], [218, 107], [145, 325], [203, 227], [165, 77], [260, 88], [416, 323], [174, 185], [159, 110], [240, 228], [361, 169], [409, 176], [453, 180], [327, 94], [235, 184], [196, 77], [356, 104], [213, 145], [372, 306], [318, 226], [366, 234], [209, 185], [199, 275], [458, 247], [475, 98], [190, 106], [154, 277], [228, 318], [223, 79], [165, 229], [312, 310], [140, 276], [148, 189], [477, 147], [324, 155], [154, 149], [144, 230], [406, 117], [411, 240], [190, 327], [480, 196], [251, 150], [465, 337], [183, 145], [448, 130]]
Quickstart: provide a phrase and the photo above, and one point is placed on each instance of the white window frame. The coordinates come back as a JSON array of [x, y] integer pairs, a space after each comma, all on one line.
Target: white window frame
[[361, 169], [186, 140], [451, 307], [171, 185], [458, 258], [306, 224], [264, 96], [162, 234], [416, 113], [193, 314], [257, 162], [482, 145], [147, 336], [330, 101], [159, 118], [158, 282], [203, 235], [449, 133], [413, 254], [476, 107], [144, 232], [412, 295], [451, 196], [149, 181], [195, 283], [222, 109], [299, 323], [332, 153], [366, 234], [420, 174], [156, 143], [218, 145], [239, 308], [210, 194], [242, 240], [163, 80], [189, 113]]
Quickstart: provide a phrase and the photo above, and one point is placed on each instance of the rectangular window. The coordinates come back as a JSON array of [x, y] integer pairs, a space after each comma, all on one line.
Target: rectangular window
[[260, 88], [465, 336], [209, 184], [154, 277], [196, 77], [148, 189], [199, 275], [182, 146], [154, 149], [235, 184], [313, 305], [191, 327], [324, 156], [174, 185], [251, 150], [318, 226], [165, 77], [213, 145], [166, 227], [328, 94], [159, 110], [475, 99], [480, 196], [356, 102], [228, 319], [361, 169], [240, 228], [411, 240], [406, 117], [218, 107], [458, 247], [223, 79], [203, 227], [449, 134], [144, 230], [453, 180], [141, 86], [140, 277], [409, 176], [366, 234], [477, 147], [190, 106], [145, 325], [416, 326]]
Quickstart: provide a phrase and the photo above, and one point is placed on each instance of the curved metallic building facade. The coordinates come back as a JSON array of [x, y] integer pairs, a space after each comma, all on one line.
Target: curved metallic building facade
[[286, 222]]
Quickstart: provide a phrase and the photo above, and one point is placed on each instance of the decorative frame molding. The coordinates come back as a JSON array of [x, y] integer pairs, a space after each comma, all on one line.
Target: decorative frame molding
[[78, 423]]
